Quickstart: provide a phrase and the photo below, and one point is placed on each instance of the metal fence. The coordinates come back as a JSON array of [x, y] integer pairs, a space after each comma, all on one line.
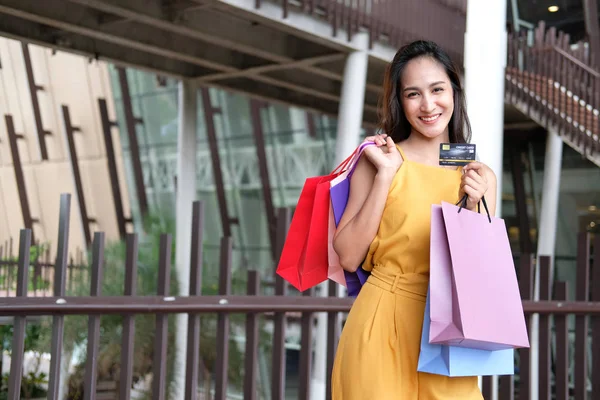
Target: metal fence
[[559, 372]]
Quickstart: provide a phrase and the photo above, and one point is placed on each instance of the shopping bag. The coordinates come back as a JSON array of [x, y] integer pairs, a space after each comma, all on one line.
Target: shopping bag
[[335, 271], [460, 361], [339, 193], [475, 298], [303, 262]]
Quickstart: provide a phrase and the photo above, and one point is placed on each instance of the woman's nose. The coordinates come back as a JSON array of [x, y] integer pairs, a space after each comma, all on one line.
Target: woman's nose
[[427, 104]]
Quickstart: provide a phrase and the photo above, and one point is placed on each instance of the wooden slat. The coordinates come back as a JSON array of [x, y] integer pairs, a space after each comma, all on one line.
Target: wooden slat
[[486, 387], [279, 320], [131, 122], [506, 385], [581, 321], [159, 371], [526, 288], [60, 269], [332, 338], [251, 357], [126, 376], [89, 392], [193, 339], [18, 342], [69, 132], [111, 161], [545, 359], [306, 323], [222, 368], [595, 322], [562, 347]]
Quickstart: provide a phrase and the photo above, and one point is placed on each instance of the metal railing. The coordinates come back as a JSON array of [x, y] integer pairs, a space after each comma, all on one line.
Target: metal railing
[[556, 86], [388, 21], [554, 364]]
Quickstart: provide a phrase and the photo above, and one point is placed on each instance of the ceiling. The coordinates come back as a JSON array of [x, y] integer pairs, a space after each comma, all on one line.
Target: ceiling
[[569, 17]]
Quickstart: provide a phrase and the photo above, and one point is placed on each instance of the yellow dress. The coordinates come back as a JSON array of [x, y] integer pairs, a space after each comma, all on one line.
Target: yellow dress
[[378, 351]]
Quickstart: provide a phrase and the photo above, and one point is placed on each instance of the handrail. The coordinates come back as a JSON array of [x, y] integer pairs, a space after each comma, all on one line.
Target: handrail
[[577, 62]]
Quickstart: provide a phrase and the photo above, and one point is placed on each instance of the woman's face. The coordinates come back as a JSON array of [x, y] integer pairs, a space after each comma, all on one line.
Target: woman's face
[[427, 97]]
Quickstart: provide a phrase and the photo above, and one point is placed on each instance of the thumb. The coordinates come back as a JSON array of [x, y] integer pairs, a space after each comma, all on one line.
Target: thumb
[[391, 145]]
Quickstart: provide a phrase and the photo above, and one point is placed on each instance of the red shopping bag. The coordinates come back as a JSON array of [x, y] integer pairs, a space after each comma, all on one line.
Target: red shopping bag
[[304, 260]]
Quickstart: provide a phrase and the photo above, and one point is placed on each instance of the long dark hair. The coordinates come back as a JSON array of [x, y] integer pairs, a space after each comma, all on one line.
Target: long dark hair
[[392, 118]]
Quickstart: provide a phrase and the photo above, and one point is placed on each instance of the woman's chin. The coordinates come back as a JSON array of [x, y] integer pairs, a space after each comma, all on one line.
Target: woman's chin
[[433, 133]]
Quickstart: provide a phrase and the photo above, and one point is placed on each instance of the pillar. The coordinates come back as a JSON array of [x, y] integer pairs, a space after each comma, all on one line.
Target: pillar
[[546, 239], [352, 99], [348, 137], [485, 63], [185, 195]]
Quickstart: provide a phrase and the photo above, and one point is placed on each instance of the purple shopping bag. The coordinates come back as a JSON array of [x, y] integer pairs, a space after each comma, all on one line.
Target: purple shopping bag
[[339, 193], [475, 298]]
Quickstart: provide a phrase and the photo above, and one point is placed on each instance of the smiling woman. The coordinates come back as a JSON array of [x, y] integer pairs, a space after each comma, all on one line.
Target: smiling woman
[[387, 221]]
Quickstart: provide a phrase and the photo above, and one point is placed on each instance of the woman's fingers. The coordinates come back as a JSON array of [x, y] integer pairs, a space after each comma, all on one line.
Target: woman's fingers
[[379, 140]]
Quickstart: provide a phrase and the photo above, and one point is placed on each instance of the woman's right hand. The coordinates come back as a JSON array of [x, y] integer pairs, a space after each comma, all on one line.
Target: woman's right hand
[[384, 155]]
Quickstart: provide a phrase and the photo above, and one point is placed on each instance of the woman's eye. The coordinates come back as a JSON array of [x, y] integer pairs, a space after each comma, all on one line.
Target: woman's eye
[[412, 94], [437, 90]]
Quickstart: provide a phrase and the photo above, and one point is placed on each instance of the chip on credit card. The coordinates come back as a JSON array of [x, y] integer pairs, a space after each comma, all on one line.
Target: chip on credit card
[[457, 153]]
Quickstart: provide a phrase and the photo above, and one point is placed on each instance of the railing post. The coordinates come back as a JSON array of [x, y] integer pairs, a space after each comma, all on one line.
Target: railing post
[[126, 376], [159, 372], [193, 339], [89, 392], [581, 321], [60, 269], [222, 367], [18, 343], [595, 321], [279, 319], [562, 346], [251, 357]]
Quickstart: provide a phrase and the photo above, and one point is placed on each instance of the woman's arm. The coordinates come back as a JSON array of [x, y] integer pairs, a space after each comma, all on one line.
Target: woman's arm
[[369, 188]]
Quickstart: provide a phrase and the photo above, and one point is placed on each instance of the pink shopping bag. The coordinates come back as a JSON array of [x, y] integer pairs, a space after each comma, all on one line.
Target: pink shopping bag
[[475, 299]]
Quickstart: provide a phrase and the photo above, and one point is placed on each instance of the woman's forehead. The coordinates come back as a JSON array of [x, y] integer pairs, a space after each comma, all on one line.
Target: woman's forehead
[[423, 71]]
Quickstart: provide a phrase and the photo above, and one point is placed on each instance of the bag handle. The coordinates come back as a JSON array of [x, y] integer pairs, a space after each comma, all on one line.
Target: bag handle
[[352, 160], [355, 160], [463, 204]]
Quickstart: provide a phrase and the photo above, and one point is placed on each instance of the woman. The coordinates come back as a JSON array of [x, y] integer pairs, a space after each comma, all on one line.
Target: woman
[[387, 224]]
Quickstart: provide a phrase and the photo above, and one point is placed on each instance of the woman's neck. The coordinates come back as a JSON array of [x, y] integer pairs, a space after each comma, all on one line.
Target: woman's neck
[[426, 150]]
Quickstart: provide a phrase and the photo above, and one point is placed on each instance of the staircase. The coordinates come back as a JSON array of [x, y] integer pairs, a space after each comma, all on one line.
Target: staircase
[[556, 87]]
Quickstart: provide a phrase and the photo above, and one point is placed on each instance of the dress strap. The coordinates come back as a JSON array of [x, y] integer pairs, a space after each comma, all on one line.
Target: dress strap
[[401, 152]]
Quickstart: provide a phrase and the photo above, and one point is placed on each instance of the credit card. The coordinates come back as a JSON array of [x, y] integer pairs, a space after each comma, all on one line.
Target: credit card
[[457, 153]]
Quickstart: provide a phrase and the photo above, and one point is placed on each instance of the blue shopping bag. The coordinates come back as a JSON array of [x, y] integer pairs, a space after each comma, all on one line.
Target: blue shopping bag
[[461, 361]]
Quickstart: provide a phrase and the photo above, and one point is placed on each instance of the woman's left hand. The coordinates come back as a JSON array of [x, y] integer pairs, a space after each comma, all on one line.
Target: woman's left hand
[[473, 183]]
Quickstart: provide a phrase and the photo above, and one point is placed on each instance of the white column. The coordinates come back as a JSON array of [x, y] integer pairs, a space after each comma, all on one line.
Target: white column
[[546, 239], [485, 63], [348, 130], [352, 99], [186, 194]]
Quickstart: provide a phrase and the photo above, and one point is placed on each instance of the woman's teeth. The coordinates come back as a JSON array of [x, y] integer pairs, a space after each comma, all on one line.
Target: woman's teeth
[[430, 119]]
